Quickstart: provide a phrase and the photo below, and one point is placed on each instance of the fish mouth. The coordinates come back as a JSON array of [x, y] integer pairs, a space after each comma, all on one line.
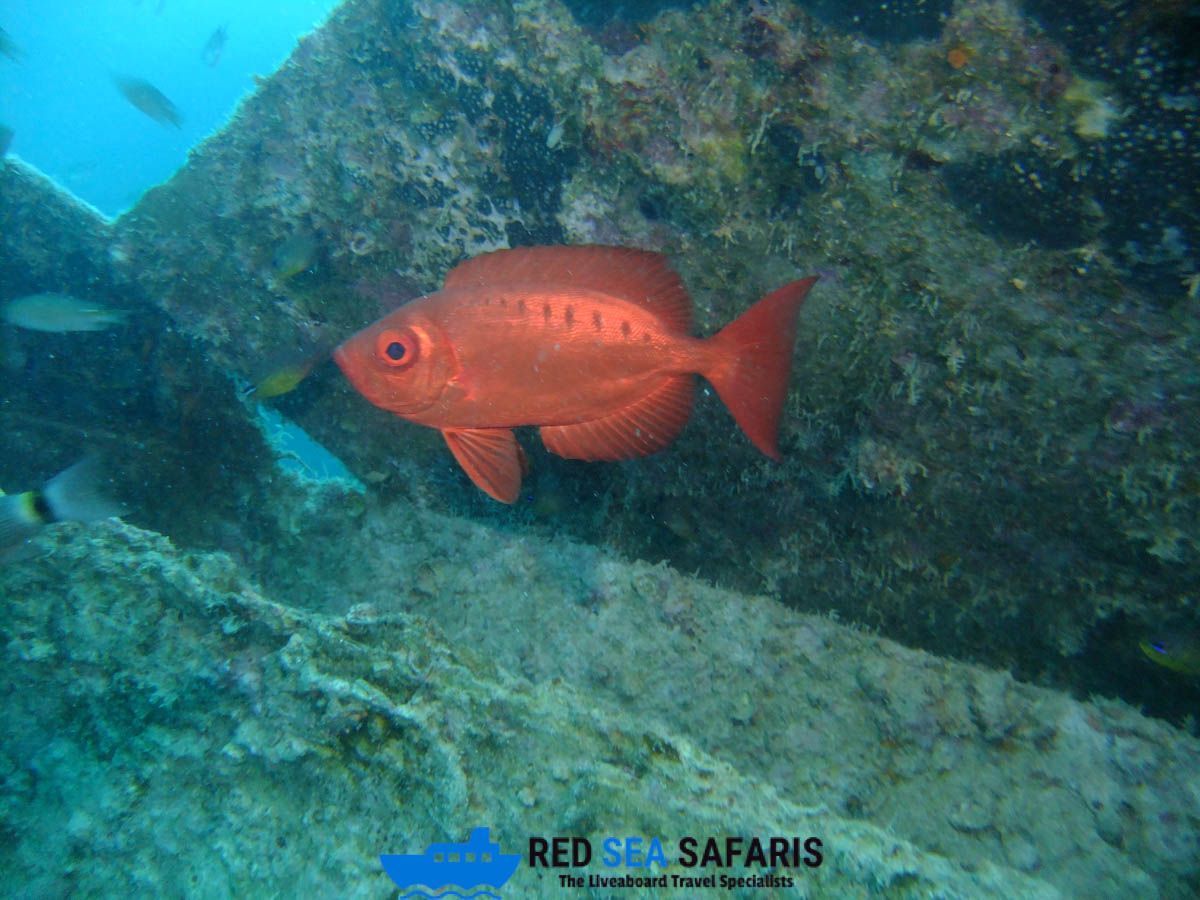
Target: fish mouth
[[340, 357], [359, 371], [345, 362]]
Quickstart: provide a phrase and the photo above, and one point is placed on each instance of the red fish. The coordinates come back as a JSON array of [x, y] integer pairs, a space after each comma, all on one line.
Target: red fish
[[590, 344]]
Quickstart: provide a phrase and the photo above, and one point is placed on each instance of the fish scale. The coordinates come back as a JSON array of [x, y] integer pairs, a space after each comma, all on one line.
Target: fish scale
[[554, 356]]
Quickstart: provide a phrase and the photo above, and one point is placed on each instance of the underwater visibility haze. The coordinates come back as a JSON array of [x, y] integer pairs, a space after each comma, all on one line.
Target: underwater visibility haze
[[75, 85], [561, 448]]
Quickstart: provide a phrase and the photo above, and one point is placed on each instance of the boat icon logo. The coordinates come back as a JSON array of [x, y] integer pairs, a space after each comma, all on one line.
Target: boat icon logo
[[475, 863]]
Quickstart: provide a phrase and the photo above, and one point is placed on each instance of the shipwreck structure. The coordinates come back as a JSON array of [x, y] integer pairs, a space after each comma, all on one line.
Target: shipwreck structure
[[990, 456]]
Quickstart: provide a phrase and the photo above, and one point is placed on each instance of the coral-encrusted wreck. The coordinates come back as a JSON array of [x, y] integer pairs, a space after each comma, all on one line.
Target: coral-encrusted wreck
[[990, 454]]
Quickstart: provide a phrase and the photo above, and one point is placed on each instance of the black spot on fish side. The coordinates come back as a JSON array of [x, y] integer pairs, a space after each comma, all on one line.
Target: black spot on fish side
[[41, 506]]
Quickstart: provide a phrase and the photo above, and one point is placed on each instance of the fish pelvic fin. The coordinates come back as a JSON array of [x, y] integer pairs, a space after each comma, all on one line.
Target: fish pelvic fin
[[752, 362], [492, 459]]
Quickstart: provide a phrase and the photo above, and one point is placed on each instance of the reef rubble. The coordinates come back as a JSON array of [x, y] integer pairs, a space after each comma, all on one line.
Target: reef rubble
[[988, 443], [172, 729]]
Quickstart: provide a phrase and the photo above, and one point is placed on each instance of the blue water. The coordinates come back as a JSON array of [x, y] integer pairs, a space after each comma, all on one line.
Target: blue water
[[72, 123]]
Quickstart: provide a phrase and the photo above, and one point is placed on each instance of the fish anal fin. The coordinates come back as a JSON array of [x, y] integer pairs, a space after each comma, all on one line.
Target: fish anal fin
[[644, 427], [639, 276], [492, 459]]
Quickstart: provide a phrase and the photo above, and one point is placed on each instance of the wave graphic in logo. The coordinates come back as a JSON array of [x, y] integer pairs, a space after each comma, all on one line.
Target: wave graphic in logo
[[475, 864]]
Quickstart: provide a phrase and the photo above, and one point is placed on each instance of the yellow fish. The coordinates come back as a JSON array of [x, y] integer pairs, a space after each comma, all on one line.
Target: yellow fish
[[1179, 653], [282, 381], [295, 255]]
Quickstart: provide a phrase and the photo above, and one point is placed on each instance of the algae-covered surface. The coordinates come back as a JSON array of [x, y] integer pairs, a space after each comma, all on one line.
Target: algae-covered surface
[[952, 633], [172, 730], [993, 419]]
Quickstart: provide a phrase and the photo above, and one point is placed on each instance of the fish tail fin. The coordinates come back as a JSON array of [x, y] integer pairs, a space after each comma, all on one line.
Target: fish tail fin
[[752, 362], [106, 318], [77, 494]]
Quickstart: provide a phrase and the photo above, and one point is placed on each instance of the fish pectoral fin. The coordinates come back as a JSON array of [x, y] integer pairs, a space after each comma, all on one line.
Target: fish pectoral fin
[[641, 428], [491, 457]]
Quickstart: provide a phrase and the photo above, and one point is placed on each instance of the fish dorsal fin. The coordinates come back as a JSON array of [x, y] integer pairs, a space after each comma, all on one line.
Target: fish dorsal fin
[[642, 428], [639, 276], [491, 457]]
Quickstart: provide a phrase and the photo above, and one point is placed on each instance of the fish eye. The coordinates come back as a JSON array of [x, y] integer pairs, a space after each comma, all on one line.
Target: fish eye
[[396, 348]]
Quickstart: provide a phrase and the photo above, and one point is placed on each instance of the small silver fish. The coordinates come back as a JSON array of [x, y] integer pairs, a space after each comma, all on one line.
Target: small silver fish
[[60, 312], [9, 47], [149, 99], [211, 54]]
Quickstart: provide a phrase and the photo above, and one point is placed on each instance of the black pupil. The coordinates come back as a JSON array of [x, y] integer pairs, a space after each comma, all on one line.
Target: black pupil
[[395, 350]]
